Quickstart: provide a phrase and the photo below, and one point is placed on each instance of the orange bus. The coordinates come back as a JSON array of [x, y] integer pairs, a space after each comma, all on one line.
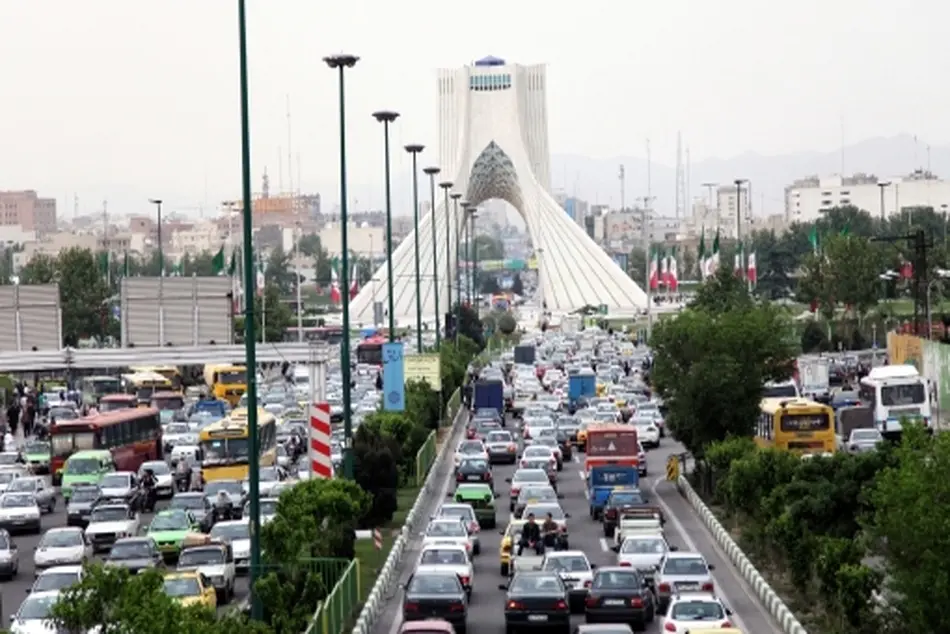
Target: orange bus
[[131, 435], [611, 444]]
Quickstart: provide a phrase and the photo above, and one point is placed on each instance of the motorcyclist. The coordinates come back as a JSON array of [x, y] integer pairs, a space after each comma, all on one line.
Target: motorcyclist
[[148, 486], [549, 529], [182, 474], [530, 536]]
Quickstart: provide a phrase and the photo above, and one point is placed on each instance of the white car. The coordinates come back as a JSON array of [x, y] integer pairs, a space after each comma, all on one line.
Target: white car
[[33, 615], [118, 485], [695, 613], [448, 557], [540, 452], [7, 476], [61, 547], [214, 561], [20, 512], [109, 522], [268, 478], [448, 531], [532, 427], [238, 534], [176, 434], [644, 552], [468, 449], [57, 579], [267, 508], [574, 569], [164, 479], [45, 495], [465, 514], [647, 431]]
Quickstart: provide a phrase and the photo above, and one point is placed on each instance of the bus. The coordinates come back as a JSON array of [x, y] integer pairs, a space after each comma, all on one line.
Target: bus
[[895, 393], [132, 436], [144, 384], [116, 402], [797, 425], [226, 382], [501, 302], [167, 403], [611, 444], [224, 445], [170, 372], [370, 351], [94, 388]]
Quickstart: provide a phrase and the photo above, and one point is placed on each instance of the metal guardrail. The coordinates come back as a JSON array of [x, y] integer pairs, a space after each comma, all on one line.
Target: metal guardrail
[[425, 458], [333, 613], [763, 591]]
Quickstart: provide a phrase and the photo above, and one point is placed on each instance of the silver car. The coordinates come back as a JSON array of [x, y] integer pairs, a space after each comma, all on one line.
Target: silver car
[[864, 440], [682, 572], [45, 495], [62, 547], [644, 552], [118, 485], [501, 446], [9, 556]]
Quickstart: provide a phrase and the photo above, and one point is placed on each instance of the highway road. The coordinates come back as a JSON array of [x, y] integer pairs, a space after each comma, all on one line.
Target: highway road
[[683, 528]]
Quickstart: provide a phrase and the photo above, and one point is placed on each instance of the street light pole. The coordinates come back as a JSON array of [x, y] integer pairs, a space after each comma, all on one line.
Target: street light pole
[[446, 186], [466, 209], [250, 338], [414, 149], [297, 234], [882, 187], [161, 257], [340, 63], [387, 117], [458, 278], [431, 172], [739, 258], [473, 215]]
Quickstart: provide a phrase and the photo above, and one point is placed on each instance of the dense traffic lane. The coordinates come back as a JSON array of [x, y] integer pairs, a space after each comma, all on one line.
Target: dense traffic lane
[[683, 529], [15, 590]]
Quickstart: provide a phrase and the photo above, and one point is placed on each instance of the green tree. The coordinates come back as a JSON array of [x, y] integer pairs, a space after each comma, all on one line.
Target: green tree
[[278, 271], [507, 323], [311, 246], [41, 269], [377, 458], [489, 248], [470, 326], [84, 296], [845, 270]]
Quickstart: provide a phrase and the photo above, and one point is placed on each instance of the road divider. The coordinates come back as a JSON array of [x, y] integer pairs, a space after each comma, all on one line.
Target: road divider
[[763, 591]]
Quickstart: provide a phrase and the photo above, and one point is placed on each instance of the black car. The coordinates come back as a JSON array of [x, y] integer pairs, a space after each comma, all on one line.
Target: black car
[[436, 595], [80, 504], [199, 505], [537, 601], [620, 595], [566, 437], [135, 554], [474, 470]]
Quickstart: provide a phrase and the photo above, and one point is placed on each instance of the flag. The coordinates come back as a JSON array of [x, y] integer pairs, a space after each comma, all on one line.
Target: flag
[[217, 262], [701, 255], [335, 296], [355, 283], [232, 267], [125, 264], [737, 268], [673, 271], [713, 265], [752, 274], [260, 276], [654, 280], [813, 238], [177, 269], [105, 259]]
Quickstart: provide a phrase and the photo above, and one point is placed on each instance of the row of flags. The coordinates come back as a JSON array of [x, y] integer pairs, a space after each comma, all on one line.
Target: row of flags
[[663, 270], [742, 266], [335, 295]]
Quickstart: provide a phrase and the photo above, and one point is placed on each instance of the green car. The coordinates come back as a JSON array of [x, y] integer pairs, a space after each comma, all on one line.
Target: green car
[[481, 498], [36, 453], [84, 467], [170, 528]]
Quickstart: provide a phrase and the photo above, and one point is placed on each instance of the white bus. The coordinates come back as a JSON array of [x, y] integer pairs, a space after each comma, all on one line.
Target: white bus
[[894, 392]]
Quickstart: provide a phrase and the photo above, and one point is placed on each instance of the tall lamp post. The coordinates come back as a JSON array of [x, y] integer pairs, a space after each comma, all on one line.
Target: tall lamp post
[[386, 117], [458, 278], [473, 215], [340, 63], [882, 187], [446, 186], [466, 210], [431, 172], [161, 256], [741, 271], [414, 149], [250, 338]]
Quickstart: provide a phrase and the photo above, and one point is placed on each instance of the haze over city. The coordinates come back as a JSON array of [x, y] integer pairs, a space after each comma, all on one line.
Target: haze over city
[[118, 101]]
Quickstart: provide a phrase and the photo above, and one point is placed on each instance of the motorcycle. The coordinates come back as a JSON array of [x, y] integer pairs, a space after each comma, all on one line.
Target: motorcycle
[[182, 481], [144, 499], [222, 507]]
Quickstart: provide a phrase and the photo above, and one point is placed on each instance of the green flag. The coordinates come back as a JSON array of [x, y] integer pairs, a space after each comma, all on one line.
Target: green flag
[[813, 238], [104, 260], [217, 262], [701, 256]]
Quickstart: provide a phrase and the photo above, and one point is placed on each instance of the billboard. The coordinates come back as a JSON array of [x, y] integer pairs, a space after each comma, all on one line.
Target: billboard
[[424, 367], [180, 311], [30, 317]]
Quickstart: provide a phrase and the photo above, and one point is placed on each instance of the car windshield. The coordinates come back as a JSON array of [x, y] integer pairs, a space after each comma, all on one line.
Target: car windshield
[[444, 557], [529, 475], [53, 581], [537, 451], [268, 507], [109, 514], [866, 435], [61, 539], [169, 522], [17, 501], [434, 584], [156, 466], [471, 448], [231, 488], [114, 481], [182, 587], [8, 476], [201, 557], [231, 531], [82, 466], [616, 580], [268, 474], [538, 494], [83, 495], [536, 583], [697, 611], [187, 502], [176, 428], [463, 512], [474, 464], [683, 566], [34, 448], [35, 608], [626, 498], [24, 485], [566, 563], [643, 546], [446, 529], [137, 549], [499, 436]]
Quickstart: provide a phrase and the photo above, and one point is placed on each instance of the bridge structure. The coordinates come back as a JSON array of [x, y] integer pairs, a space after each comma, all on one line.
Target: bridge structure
[[493, 144]]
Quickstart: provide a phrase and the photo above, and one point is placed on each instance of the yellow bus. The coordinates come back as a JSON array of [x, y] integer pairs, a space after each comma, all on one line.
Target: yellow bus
[[143, 384], [170, 372], [225, 445], [226, 382], [796, 424]]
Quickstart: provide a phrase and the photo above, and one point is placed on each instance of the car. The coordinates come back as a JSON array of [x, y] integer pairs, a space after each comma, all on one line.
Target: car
[[538, 601], [681, 572], [283, 458], [643, 552], [20, 513], [484, 427], [436, 594], [214, 560], [238, 534], [109, 522], [647, 431], [540, 510], [482, 501], [44, 494], [61, 547], [624, 500], [448, 530], [532, 427], [176, 434], [501, 447], [534, 494], [191, 588], [169, 529], [428, 626], [575, 571], [607, 628], [619, 594], [33, 614], [226, 497], [198, 504], [691, 612], [8, 475], [544, 464], [863, 440], [474, 470], [447, 557], [565, 437], [550, 441], [57, 579], [470, 449], [268, 478], [135, 554], [267, 507], [37, 455], [540, 452], [79, 506], [164, 478], [119, 486], [9, 555], [465, 514], [642, 460], [523, 477]]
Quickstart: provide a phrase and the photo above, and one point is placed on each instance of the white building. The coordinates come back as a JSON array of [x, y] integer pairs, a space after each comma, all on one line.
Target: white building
[[201, 238], [493, 144], [807, 198], [729, 199]]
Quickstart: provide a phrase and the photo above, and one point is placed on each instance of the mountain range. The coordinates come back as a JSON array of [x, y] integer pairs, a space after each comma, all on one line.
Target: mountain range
[[596, 180]]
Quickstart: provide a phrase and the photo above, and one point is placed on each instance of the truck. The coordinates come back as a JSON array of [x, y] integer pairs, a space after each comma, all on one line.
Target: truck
[[603, 480], [525, 354], [582, 384], [489, 393], [814, 377]]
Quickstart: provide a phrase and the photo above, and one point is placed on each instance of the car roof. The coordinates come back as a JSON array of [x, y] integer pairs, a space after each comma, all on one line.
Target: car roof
[[72, 569], [689, 554]]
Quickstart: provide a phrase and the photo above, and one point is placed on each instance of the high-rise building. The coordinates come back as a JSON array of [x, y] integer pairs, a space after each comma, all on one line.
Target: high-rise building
[[26, 212]]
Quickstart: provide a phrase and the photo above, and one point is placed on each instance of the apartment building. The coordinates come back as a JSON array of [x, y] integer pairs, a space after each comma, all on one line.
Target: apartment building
[[26, 211]]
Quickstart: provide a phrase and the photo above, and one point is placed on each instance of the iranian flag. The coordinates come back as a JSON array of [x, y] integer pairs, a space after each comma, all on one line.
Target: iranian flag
[[672, 272], [701, 256], [335, 295], [664, 273], [355, 283], [654, 280], [751, 272], [713, 264]]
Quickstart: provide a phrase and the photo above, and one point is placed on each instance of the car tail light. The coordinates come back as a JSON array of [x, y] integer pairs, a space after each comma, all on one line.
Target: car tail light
[[468, 545], [636, 602], [708, 587], [524, 464], [465, 580], [457, 607], [511, 448], [459, 477], [726, 624], [664, 587], [411, 607], [487, 477], [515, 491], [669, 627], [560, 605], [625, 564], [592, 602], [611, 514], [514, 605], [473, 528]]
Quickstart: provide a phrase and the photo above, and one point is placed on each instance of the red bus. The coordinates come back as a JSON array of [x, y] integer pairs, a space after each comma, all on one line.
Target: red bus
[[611, 444], [370, 351], [117, 402], [132, 435]]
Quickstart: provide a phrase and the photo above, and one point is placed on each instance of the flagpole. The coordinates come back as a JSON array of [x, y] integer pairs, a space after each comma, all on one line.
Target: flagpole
[[297, 273], [646, 267]]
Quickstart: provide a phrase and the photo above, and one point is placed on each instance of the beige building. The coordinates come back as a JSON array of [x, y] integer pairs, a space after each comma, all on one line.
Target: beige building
[[365, 241], [205, 236], [27, 211]]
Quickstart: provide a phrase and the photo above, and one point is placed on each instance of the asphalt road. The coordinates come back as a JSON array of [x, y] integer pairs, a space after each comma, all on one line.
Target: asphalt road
[[683, 528], [13, 592]]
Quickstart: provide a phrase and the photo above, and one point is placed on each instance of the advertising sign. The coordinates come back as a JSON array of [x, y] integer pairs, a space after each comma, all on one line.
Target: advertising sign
[[394, 378], [428, 367]]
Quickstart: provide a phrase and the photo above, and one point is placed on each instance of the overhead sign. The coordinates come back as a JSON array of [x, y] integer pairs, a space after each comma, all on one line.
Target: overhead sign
[[394, 377], [428, 367]]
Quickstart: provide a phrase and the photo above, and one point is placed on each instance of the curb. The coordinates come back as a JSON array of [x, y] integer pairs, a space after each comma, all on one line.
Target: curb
[[763, 591]]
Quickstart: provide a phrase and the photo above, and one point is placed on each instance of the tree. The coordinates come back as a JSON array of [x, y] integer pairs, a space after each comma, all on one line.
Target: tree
[[506, 323], [279, 316], [844, 270], [470, 326], [278, 271], [487, 283], [84, 296], [41, 269], [489, 248], [376, 463], [315, 519]]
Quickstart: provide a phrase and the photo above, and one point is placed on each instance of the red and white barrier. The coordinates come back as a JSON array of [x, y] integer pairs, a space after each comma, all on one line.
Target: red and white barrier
[[320, 464]]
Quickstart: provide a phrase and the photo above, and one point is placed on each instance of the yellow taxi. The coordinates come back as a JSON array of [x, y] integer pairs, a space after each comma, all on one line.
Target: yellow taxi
[[509, 538], [191, 588], [582, 434]]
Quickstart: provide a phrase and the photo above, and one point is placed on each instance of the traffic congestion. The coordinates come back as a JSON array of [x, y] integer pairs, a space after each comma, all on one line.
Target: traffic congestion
[[556, 515]]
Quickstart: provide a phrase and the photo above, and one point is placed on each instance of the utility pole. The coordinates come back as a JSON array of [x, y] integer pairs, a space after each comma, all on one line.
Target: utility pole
[[680, 180], [921, 243]]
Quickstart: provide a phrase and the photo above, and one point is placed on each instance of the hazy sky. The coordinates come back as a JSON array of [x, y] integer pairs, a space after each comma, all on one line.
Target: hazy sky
[[122, 100]]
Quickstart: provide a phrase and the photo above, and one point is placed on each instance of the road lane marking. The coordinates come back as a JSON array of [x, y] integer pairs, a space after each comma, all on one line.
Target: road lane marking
[[605, 545]]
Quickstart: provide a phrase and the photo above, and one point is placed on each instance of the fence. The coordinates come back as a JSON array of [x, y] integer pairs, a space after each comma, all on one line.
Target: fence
[[339, 608], [424, 459]]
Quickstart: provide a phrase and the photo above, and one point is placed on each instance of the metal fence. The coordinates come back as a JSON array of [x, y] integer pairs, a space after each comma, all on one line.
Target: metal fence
[[424, 459], [180, 311], [31, 318], [339, 609]]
